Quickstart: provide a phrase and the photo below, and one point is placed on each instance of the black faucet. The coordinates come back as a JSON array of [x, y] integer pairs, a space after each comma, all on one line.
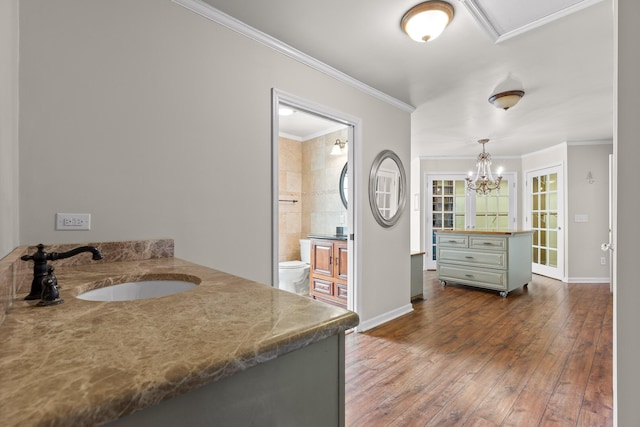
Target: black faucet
[[40, 266]]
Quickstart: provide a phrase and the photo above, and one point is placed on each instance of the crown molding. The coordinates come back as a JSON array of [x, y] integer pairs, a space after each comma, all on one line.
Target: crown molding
[[591, 142], [207, 11]]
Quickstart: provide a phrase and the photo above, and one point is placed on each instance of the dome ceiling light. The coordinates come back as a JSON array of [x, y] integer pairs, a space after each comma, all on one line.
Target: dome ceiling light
[[507, 99], [426, 21]]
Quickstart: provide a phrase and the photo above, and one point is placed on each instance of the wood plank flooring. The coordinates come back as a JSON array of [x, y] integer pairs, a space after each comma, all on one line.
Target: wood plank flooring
[[467, 357]]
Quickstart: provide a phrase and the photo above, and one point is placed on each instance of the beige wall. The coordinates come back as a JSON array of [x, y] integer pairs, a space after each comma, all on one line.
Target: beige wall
[[290, 183], [592, 199], [8, 126], [157, 121], [627, 152], [322, 208]]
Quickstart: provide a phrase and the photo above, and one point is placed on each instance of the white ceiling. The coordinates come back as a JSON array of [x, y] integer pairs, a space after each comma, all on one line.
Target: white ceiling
[[565, 66]]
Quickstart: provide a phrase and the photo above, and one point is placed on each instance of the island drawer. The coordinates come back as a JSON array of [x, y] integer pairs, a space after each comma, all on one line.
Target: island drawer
[[488, 242], [486, 278], [471, 257], [453, 241]]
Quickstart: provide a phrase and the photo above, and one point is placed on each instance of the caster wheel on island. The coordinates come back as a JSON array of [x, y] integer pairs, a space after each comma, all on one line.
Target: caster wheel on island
[[443, 283], [503, 294]]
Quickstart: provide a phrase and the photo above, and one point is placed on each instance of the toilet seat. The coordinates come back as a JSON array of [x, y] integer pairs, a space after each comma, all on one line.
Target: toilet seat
[[292, 264]]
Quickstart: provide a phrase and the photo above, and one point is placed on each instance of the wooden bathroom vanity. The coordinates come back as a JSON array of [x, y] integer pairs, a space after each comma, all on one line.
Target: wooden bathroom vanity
[[328, 273], [498, 260]]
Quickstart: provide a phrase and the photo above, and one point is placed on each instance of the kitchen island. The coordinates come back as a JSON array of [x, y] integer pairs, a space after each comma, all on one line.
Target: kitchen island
[[490, 259], [228, 352]]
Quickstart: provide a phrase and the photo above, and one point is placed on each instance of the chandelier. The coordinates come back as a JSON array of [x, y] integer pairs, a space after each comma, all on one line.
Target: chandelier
[[483, 183]]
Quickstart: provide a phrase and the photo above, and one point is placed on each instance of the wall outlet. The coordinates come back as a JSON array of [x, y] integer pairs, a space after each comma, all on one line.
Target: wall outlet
[[603, 261], [73, 221]]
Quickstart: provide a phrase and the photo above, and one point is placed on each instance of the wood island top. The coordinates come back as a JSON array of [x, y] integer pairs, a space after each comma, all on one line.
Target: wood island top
[[499, 232]]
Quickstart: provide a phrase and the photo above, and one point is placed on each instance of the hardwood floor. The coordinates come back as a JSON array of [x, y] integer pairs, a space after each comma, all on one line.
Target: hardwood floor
[[467, 357]]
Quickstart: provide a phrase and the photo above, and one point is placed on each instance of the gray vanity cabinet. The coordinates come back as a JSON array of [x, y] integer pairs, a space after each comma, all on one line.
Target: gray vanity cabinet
[[498, 260]]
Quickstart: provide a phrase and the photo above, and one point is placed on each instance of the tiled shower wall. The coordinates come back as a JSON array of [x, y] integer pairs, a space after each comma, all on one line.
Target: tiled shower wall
[[322, 208], [290, 183], [309, 174]]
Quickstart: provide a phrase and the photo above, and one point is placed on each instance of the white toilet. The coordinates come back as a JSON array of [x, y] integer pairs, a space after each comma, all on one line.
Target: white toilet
[[294, 275]]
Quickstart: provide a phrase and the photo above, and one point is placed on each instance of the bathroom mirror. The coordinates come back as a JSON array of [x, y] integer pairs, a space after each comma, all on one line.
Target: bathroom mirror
[[343, 185], [387, 188]]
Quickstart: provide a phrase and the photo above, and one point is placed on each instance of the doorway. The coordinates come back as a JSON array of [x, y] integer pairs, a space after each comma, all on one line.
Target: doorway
[[545, 217], [315, 196]]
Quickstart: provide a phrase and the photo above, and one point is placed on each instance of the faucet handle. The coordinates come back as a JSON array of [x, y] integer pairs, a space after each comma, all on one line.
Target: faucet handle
[[50, 292], [39, 255]]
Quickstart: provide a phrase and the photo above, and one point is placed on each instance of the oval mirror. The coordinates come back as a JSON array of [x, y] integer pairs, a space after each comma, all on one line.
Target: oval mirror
[[387, 188], [343, 185]]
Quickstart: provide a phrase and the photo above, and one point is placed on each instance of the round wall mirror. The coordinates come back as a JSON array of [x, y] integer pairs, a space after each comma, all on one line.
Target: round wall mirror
[[387, 188], [343, 185]]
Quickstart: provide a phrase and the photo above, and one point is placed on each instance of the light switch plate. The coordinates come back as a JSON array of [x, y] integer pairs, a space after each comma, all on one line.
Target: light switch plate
[[73, 221]]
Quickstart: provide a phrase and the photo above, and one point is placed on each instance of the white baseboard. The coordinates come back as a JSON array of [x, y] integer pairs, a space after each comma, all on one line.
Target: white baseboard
[[588, 280], [365, 325]]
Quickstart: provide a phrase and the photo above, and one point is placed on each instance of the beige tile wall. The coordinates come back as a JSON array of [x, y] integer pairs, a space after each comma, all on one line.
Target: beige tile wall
[[290, 188], [309, 174], [322, 209]]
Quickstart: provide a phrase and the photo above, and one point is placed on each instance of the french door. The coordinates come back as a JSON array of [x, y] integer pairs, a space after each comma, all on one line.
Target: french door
[[545, 217], [451, 207]]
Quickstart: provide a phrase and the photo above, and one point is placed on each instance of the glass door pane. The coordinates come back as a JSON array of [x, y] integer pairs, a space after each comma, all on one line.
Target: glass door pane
[[492, 210], [448, 207]]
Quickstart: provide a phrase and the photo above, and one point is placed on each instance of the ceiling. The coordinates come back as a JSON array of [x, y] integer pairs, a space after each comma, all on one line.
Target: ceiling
[[562, 58]]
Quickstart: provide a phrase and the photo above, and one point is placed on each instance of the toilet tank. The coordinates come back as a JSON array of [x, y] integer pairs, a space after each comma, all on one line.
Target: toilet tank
[[305, 250]]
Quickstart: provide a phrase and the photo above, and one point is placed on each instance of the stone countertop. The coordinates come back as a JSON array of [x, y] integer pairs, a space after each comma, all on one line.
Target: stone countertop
[[495, 231], [86, 362], [328, 237]]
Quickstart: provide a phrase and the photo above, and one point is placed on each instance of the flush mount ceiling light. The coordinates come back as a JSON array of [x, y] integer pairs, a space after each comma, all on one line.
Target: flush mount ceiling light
[[507, 99], [426, 21], [483, 183], [285, 111], [339, 147]]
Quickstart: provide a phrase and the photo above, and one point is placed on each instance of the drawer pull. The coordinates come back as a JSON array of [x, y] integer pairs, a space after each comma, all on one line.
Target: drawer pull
[[469, 257], [453, 241], [468, 275], [488, 243]]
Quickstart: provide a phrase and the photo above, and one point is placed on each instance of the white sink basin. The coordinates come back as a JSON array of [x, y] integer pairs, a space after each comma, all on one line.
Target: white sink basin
[[137, 290]]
